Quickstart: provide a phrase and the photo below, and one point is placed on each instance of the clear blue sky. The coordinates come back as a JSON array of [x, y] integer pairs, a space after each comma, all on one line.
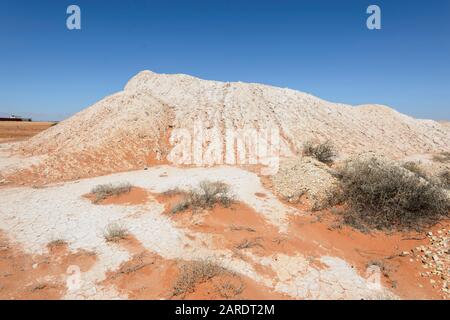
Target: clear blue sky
[[317, 46]]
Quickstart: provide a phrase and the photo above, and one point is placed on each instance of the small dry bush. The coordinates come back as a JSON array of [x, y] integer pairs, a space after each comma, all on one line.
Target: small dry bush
[[331, 197], [182, 205], [230, 288], [415, 168], [324, 152], [207, 195], [173, 192], [442, 157], [381, 195], [115, 232], [196, 272], [57, 243], [104, 191], [444, 178]]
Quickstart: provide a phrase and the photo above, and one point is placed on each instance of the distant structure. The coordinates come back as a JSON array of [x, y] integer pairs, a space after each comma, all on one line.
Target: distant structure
[[15, 118]]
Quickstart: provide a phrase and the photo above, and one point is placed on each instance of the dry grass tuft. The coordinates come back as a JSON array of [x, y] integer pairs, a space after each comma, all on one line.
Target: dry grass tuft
[[324, 152], [57, 243], [115, 232], [207, 195], [104, 191], [173, 192], [182, 205], [196, 272]]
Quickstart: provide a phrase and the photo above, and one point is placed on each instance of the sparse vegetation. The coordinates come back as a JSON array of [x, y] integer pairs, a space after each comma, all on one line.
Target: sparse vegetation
[[381, 195], [209, 193], [246, 244], [196, 272], [39, 286], [384, 269], [115, 232], [442, 157], [136, 263], [324, 152], [241, 228], [182, 205], [104, 191], [205, 196], [444, 178], [230, 290], [173, 192], [56, 243], [330, 198], [414, 167]]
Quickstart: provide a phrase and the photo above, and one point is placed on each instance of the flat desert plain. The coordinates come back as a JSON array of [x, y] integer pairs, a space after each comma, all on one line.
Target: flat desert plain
[[17, 130]]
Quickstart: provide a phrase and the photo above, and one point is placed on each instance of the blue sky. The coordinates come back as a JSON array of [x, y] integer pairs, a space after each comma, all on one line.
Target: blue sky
[[317, 46]]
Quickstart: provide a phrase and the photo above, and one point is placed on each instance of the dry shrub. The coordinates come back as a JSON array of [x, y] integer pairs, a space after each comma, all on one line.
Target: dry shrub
[[442, 157], [331, 197], [444, 178], [381, 195], [195, 272], [56, 243], [173, 192], [207, 195], [249, 243], [230, 288], [415, 168], [115, 232], [182, 205], [104, 191], [324, 152]]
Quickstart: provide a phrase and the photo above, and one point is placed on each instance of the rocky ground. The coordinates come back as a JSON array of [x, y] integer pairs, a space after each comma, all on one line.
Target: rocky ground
[[435, 256], [304, 179]]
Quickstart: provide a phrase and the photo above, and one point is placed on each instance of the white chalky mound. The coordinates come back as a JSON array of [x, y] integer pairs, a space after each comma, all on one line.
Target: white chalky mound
[[130, 129]]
